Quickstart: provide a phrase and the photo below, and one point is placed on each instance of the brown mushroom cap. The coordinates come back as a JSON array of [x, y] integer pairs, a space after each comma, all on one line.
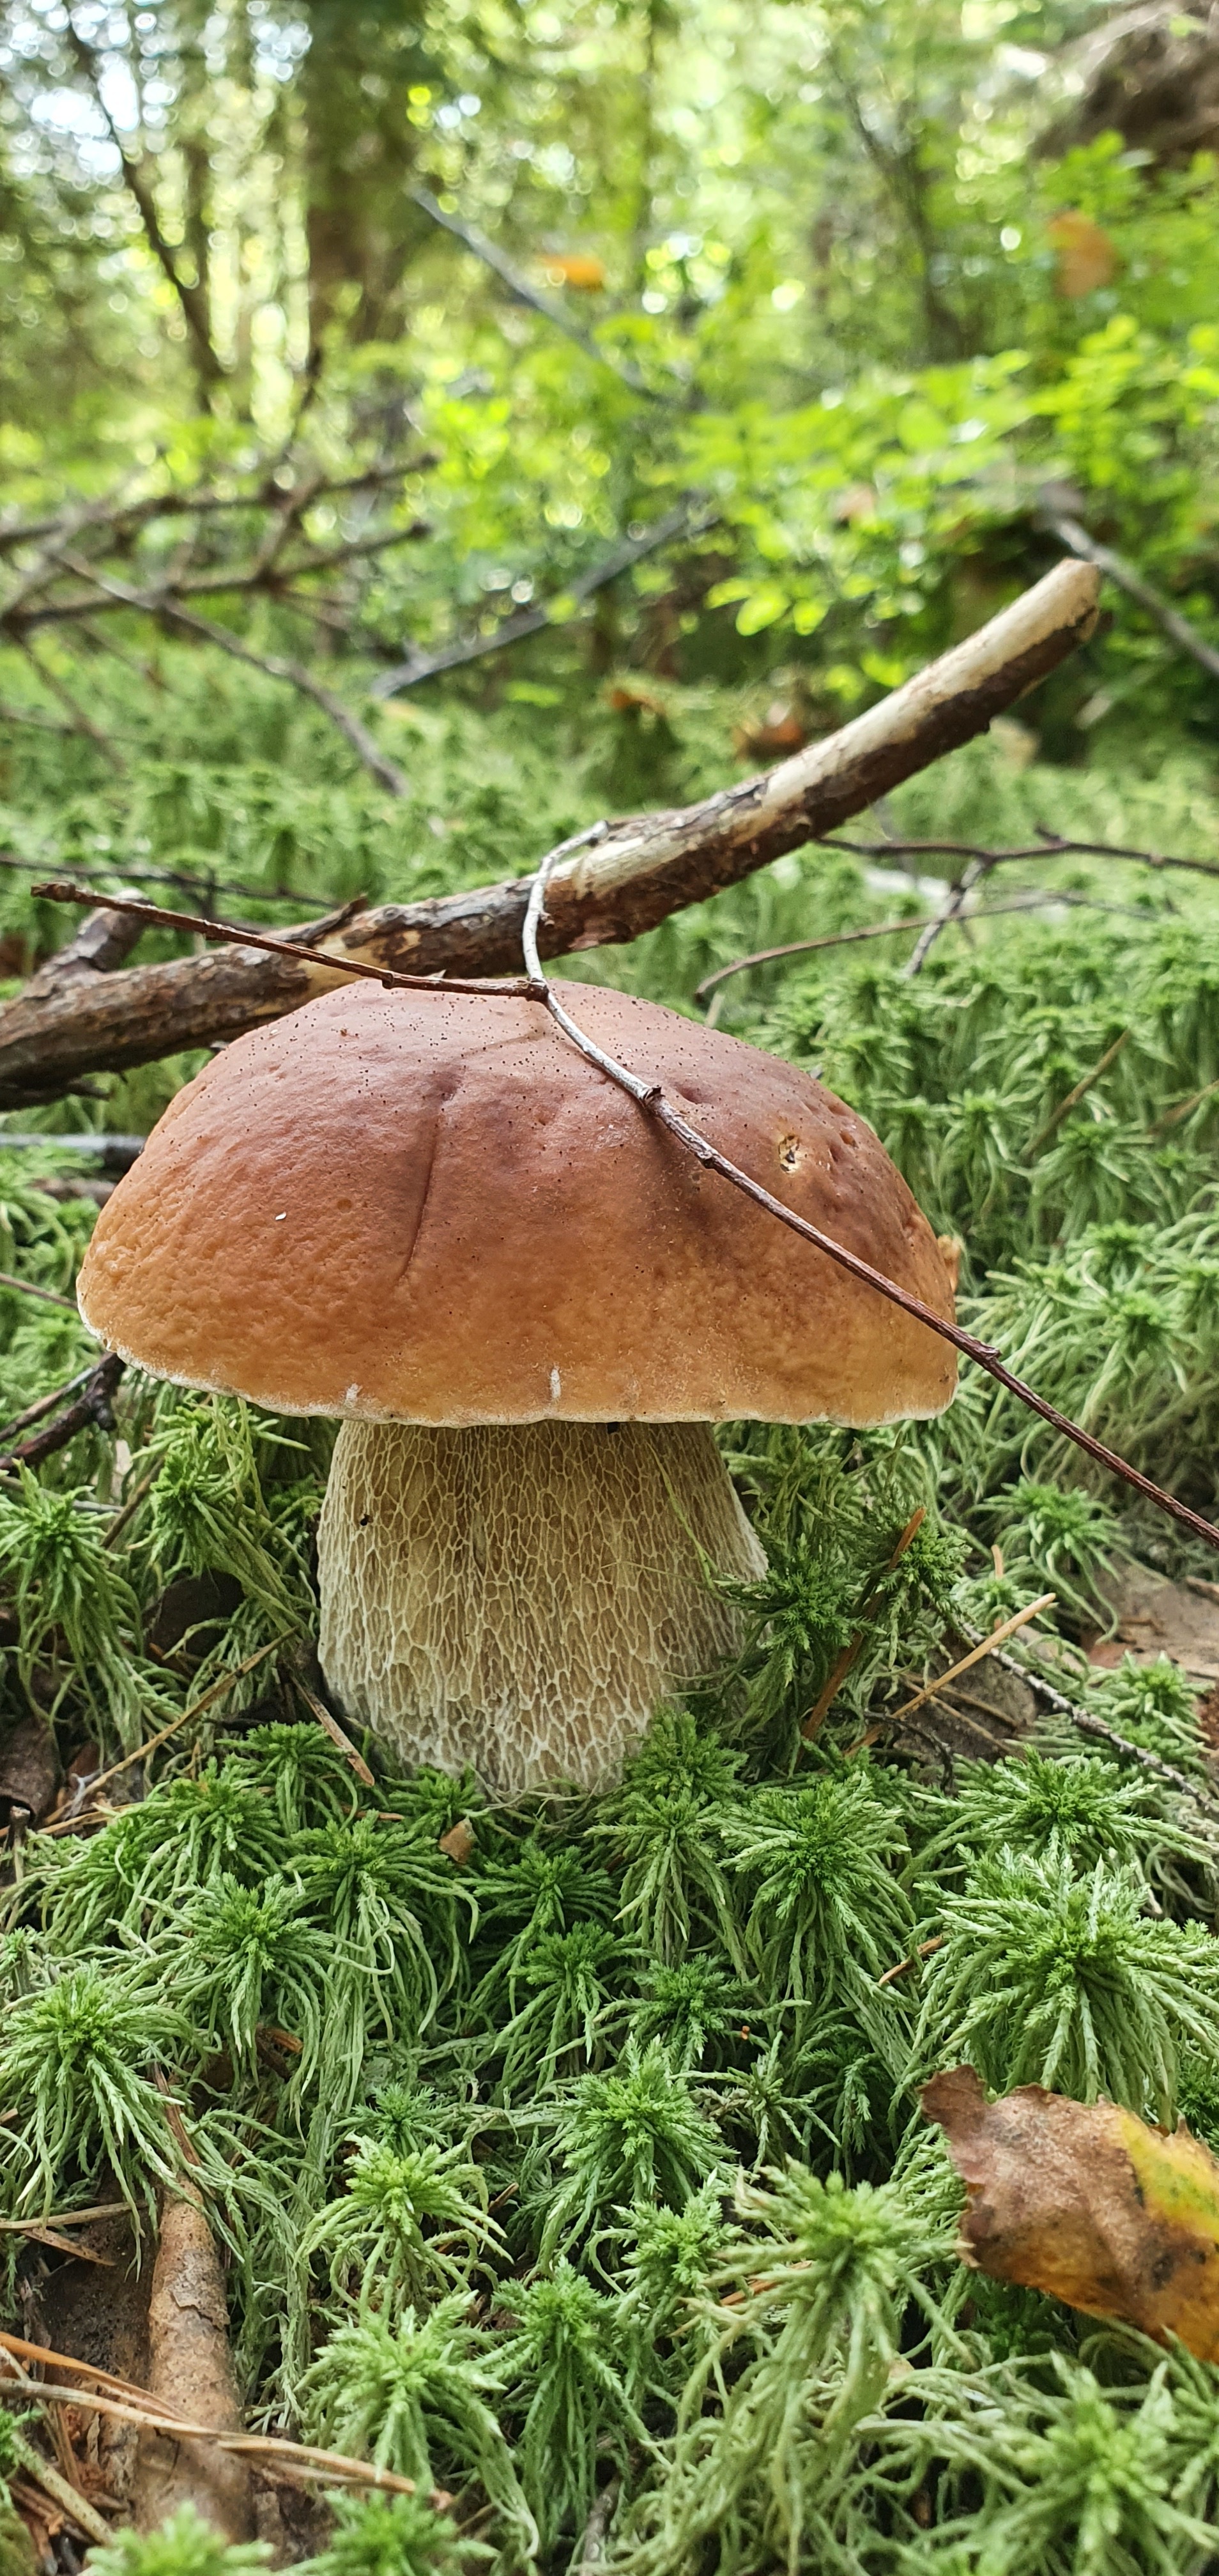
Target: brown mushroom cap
[[428, 1207]]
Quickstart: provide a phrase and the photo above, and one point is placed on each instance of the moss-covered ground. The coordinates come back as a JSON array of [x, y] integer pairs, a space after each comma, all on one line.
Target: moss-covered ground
[[583, 2177]]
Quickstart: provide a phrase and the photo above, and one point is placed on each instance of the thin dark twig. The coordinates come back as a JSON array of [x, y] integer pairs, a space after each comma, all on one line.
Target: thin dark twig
[[174, 877], [42, 723], [1089, 1724], [234, 934], [650, 1096], [45, 1404], [687, 520], [123, 519], [1073, 1097], [82, 723], [912, 923], [293, 674], [523, 293], [92, 1405], [30, 1288], [1050, 845], [264, 574], [951, 911]]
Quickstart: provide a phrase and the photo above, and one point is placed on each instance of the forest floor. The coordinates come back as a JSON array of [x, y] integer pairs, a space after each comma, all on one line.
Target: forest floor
[[567, 2159]]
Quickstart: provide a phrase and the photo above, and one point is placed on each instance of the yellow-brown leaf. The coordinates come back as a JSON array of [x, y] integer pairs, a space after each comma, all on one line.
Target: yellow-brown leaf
[[1087, 2202]]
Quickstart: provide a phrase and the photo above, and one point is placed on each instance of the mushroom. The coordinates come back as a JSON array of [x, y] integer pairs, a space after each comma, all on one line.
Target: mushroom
[[427, 1214]]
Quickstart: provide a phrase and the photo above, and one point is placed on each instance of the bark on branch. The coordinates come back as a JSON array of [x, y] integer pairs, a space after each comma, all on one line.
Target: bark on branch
[[639, 871]]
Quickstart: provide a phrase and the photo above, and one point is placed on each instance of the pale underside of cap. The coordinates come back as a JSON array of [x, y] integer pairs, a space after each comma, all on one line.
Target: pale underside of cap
[[429, 1207]]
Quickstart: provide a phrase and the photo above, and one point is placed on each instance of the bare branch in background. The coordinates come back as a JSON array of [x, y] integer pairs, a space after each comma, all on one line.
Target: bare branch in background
[[79, 722], [523, 293], [123, 519], [1169, 619], [685, 521], [191, 296], [293, 674], [639, 872]]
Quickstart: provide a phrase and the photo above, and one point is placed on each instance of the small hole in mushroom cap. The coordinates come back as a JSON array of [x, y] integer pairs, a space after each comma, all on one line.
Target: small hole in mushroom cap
[[789, 1152]]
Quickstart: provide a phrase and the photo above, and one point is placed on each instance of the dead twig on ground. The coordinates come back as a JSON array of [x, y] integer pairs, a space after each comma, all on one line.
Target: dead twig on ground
[[642, 869], [143, 1752], [986, 1646], [30, 1288], [330, 1726], [124, 2401], [1089, 1723], [94, 1405], [913, 924], [850, 1653]]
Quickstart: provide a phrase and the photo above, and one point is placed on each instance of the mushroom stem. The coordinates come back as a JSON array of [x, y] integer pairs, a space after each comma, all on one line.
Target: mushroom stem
[[520, 1596]]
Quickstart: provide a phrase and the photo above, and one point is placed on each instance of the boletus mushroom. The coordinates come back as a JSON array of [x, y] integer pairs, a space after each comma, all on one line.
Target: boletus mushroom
[[425, 1213]]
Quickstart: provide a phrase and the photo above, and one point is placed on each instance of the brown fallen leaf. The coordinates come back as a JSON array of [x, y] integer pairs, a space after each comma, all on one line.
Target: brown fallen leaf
[[1088, 2203]]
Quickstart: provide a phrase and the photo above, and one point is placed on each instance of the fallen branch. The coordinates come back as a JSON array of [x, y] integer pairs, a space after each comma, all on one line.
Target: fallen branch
[[641, 870], [190, 2361]]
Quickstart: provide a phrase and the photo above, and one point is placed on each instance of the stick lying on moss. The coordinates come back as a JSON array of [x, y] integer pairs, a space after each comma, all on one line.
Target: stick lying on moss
[[641, 870], [190, 2361]]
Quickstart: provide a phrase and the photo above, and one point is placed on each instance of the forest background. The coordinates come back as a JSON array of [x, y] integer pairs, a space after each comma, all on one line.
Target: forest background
[[423, 431]]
